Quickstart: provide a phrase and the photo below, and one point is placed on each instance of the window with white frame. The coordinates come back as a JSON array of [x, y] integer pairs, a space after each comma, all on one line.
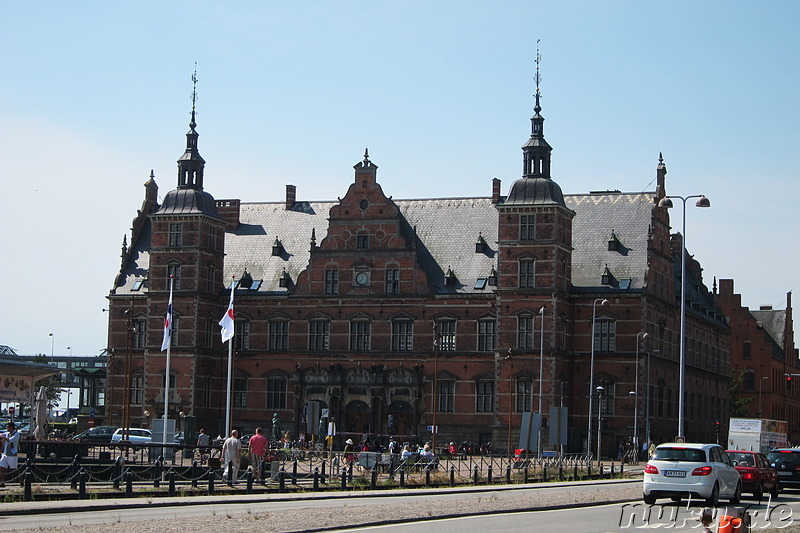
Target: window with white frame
[[524, 394], [484, 396], [276, 392], [525, 331], [486, 334], [137, 389], [527, 227], [392, 281], [175, 235], [360, 333], [331, 281], [319, 335], [240, 391], [605, 335], [174, 272], [402, 335], [242, 334], [447, 335], [446, 395], [279, 335], [527, 273]]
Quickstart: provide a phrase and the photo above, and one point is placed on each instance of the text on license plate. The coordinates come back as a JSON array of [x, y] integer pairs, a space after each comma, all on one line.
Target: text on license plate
[[784, 473], [674, 473]]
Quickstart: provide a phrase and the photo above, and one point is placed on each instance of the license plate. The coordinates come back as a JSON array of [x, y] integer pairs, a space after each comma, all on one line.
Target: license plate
[[784, 473], [674, 473]]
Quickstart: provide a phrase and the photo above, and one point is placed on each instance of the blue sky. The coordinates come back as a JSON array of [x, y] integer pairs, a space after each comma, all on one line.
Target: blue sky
[[95, 94]]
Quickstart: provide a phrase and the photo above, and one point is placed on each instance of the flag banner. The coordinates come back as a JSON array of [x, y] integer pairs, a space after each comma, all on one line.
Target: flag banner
[[168, 322], [227, 323]]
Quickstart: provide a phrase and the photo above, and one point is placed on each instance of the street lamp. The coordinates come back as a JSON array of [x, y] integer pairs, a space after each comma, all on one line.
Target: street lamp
[[760, 383], [666, 203], [541, 371], [52, 343], [602, 301], [600, 391], [643, 335], [70, 350]]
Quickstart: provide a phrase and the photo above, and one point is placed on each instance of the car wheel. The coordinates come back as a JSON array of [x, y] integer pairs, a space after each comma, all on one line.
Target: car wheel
[[737, 494], [649, 499], [713, 499], [759, 492], [775, 490], [676, 499]]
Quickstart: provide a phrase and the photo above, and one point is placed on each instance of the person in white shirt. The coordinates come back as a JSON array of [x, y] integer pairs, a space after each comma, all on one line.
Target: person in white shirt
[[232, 455], [8, 459]]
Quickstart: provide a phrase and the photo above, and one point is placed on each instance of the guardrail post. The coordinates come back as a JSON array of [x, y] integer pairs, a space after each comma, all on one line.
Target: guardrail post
[[157, 472], [402, 478], [282, 480], [508, 474], [28, 478], [544, 473], [561, 472], [622, 470], [344, 478], [611, 475], [117, 472], [350, 474], [324, 462], [475, 474], [316, 479], [210, 480], [82, 475], [171, 477], [373, 482], [452, 476], [249, 477], [489, 475], [575, 473], [193, 473], [525, 475], [74, 472], [128, 483]]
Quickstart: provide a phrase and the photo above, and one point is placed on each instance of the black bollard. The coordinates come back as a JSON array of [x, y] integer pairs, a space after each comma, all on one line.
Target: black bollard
[[622, 470], [128, 483], [508, 474], [402, 478], [489, 475], [117, 471], [82, 476], [560, 472], [427, 477], [249, 477], [316, 479], [350, 474], [589, 471], [294, 472], [28, 479], [282, 480], [544, 473], [171, 480], [344, 479], [373, 483], [452, 476], [475, 474], [210, 480], [575, 472], [324, 461], [194, 472], [611, 475], [229, 477], [525, 476]]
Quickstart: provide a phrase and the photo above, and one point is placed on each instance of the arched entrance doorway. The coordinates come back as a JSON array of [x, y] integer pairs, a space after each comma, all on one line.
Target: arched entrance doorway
[[401, 418], [357, 415]]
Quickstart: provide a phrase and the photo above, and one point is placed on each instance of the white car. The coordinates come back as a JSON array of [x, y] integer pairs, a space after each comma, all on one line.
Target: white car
[[688, 470], [135, 436]]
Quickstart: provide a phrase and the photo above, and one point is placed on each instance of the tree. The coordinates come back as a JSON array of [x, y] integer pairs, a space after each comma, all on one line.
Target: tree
[[52, 384], [740, 407]]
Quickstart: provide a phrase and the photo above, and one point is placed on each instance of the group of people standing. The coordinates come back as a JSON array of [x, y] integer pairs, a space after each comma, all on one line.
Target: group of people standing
[[232, 454]]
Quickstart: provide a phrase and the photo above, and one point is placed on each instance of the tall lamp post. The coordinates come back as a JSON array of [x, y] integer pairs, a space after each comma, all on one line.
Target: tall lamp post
[[643, 335], [601, 301], [541, 372], [666, 203], [52, 343], [600, 391]]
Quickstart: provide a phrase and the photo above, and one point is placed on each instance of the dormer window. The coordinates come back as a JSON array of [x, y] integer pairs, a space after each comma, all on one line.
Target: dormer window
[[246, 281], [492, 279], [285, 280], [607, 278], [277, 248], [613, 243], [480, 246], [449, 278]]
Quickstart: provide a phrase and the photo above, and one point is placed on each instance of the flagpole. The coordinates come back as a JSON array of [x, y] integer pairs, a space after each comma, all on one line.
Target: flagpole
[[229, 316], [166, 372]]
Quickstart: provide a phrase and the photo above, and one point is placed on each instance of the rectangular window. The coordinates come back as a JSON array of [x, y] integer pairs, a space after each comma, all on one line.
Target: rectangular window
[[331, 281], [279, 335], [362, 242], [525, 331], [174, 271], [319, 335], [139, 332], [206, 393], [360, 333], [137, 390], [605, 401], [605, 335], [175, 234], [276, 393], [527, 227], [211, 274], [446, 396], [212, 238], [173, 339], [486, 335], [484, 396], [402, 335], [447, 335], [242, 334], [209, 332], [524, 395], [746, 354], [527, 274], [239, 391], [392, 281]]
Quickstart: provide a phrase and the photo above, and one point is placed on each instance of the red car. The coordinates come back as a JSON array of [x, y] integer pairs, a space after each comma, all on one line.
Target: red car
[[758, 476]]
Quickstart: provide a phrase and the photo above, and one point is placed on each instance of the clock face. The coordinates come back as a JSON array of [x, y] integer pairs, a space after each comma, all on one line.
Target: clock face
[[362, 278]]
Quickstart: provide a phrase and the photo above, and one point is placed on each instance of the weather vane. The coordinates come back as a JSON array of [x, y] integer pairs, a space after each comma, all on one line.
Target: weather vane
[[538, 77], [194, 86]]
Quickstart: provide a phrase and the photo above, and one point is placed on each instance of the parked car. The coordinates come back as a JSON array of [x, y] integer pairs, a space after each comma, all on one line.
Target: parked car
[[757, 475], [98, 434], [135, 436], [787, 462], [681, 470]]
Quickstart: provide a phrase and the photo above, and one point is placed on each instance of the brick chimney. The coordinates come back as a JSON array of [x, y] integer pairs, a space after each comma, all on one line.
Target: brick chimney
[[291, 195], [495, 191]]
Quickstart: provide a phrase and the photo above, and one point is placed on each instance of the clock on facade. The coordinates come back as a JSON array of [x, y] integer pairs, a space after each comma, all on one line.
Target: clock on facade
[[362, 278]]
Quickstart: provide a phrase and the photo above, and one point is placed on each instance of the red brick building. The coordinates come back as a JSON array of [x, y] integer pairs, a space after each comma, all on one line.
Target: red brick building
[[762, 348], [381, 308]]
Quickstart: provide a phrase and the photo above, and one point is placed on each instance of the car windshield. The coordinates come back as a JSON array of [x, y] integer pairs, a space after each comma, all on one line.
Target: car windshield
[[680, 454], [742, 459], [787, 457]]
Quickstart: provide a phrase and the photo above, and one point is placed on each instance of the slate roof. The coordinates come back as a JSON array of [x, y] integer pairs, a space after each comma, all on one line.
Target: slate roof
[[773, 322], [447, 230]]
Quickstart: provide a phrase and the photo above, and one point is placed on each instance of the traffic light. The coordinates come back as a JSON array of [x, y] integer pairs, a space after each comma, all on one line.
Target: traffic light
[[788, 382]]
